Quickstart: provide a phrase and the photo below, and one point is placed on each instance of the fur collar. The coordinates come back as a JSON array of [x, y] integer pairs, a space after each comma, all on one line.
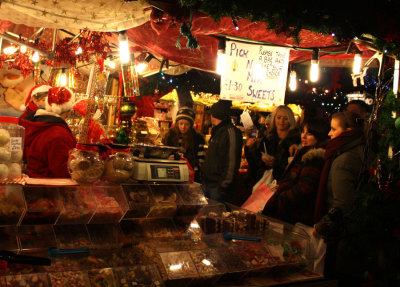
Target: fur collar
[[42, 112], [314, 153]]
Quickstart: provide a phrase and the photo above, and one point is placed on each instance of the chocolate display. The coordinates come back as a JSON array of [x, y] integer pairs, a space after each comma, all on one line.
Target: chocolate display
[[235, 221]]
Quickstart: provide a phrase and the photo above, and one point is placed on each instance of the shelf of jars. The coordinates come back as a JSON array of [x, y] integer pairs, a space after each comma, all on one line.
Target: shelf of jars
[[137, 235]]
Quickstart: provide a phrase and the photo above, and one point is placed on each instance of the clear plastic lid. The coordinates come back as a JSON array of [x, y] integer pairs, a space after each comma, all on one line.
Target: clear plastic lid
[[11, 151]]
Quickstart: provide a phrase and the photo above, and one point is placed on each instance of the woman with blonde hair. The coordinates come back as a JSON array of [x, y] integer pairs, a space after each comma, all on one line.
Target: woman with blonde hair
[[276, 147]]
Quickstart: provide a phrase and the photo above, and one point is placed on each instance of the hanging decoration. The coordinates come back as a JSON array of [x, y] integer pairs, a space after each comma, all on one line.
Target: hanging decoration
[[89, 42], [127, 78], [186, 32], [96, 87], [36, 74], [135, 76]]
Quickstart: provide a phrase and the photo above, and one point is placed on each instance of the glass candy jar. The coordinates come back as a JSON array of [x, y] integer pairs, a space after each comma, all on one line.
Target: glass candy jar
[[119, 167], [85, 166]]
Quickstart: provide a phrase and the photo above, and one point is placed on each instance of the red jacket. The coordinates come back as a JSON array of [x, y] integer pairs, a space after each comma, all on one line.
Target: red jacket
[[48, 141]]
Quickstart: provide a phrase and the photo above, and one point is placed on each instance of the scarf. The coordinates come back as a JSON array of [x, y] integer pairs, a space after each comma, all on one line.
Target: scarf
[[331, 149]]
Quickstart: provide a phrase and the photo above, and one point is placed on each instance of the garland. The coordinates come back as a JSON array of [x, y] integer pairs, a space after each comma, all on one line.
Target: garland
[[377, 18]]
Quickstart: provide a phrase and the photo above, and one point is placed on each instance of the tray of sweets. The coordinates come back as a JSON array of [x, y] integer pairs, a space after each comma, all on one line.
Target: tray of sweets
[[139, 275], [79, 205], [43, 205], [71, 236], [8, 238], [137, 229], [12, 204], [102, 277], [33, 280], [69, 279], [105, 235], [178, 265], [208, 262], [35, 237], [111, 204]]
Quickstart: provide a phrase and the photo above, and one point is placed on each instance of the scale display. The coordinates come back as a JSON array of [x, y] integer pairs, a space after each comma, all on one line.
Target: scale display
[[160, 170]]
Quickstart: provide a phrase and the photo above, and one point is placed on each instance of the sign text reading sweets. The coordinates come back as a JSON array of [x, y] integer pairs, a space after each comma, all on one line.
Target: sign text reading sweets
[[255, 73]]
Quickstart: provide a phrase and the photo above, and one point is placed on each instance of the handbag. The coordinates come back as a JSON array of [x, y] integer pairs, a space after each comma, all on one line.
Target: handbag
[[262, 192]]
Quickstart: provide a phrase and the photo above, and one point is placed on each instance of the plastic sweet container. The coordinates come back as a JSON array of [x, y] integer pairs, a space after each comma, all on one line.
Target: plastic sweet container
[[12, 138]]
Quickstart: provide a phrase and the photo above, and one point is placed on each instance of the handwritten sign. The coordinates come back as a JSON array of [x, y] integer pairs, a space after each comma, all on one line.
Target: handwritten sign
[[254, 73]]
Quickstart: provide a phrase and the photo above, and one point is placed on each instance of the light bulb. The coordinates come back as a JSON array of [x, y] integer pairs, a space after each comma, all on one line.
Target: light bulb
[[221, 62], [63, 79], [357, 64], [9, 50], [141, 67], [78, 51], [22, 49], [314, 71], [35, 57], [292, 81], [123, 48], [396, 77]]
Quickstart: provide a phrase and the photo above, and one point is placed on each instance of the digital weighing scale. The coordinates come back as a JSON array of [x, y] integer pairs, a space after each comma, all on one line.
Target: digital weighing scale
[[160, 170]]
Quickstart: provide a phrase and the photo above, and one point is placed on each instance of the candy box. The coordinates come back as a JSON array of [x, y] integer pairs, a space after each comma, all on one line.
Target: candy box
[[78, 203], [36, 237], [105, 235], [139, 275], [8, 238], [12, 204], [72, 236], [43, 204], [111, 204]]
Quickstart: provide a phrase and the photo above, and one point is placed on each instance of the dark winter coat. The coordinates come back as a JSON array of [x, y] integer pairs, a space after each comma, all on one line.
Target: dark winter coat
[[294, 199], [223, 157], [48, 141], [342, 184], [194, 152], [277, 148]]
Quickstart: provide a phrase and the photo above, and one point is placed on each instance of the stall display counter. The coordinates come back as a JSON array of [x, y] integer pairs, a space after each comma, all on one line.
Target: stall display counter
[[180, 248]]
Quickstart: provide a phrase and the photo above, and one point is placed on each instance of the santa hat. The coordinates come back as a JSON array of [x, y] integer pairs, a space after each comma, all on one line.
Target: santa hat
[[42, 88], [59, 100]]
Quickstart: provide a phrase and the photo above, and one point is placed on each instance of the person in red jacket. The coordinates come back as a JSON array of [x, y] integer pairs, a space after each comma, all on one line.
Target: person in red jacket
[[48, 138]]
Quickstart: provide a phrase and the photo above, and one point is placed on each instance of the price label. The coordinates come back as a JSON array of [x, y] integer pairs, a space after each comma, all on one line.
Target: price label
[[15, 144]]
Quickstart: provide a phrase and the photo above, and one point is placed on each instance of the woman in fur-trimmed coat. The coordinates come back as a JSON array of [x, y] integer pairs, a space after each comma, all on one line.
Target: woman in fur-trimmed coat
[[294, 198]]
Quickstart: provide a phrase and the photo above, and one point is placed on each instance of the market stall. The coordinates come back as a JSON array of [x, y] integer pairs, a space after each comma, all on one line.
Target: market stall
[[130, 214]]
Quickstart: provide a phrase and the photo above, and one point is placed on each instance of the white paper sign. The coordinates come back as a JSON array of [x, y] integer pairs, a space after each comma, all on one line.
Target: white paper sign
[[254, 73], [15, 144]]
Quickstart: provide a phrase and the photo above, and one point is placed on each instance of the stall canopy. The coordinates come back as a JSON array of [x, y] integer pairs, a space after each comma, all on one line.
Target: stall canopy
[[157, 31]]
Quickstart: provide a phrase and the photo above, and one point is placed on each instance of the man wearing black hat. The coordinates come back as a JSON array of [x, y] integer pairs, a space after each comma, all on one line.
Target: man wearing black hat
[[224, 154]]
